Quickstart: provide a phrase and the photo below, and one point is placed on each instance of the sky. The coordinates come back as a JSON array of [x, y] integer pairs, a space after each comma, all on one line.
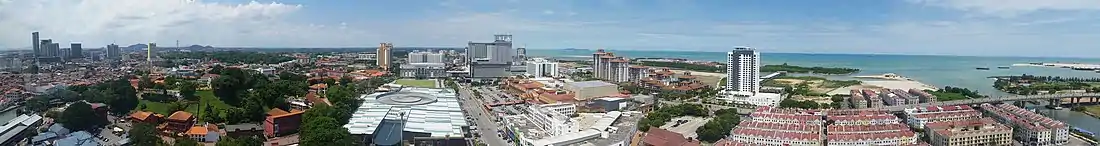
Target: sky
[[1044, 28]]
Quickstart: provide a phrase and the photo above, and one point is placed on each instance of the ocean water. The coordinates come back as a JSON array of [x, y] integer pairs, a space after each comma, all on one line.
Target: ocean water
[[957, 71]]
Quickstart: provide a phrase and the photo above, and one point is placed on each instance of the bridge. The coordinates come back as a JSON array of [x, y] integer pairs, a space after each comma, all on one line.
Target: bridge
[[896, 108]]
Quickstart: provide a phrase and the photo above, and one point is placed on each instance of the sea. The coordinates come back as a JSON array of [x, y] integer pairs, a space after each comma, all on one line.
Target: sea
[[939, 71]]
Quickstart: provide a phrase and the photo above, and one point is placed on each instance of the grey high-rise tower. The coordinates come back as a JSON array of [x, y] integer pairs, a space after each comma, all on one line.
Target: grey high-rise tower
[[75, 51], [37, 44], [113, 52], [491, 60]]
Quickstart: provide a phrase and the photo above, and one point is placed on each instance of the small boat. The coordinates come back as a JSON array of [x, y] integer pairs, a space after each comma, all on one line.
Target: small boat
[[1002, 67], [983, 68]]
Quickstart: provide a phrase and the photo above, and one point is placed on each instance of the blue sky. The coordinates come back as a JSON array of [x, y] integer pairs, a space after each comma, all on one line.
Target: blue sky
[[1064, 28]]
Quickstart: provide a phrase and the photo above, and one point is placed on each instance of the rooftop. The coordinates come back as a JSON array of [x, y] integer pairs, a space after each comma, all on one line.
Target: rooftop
[[433, 111], [587, 84], [662, 137], [180, 116]]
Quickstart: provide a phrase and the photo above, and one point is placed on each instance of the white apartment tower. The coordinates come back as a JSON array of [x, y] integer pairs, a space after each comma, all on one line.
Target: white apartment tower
[[540, 67], [606, 66], [743, 71]]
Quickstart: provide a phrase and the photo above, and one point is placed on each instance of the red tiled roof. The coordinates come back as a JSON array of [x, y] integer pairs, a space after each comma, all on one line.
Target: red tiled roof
[[662, 137], [276, 111], [141, 115], [180, 116], [313, 98]]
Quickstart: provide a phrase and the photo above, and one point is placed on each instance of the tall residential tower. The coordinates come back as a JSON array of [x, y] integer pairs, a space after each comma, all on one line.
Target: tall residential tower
[[385, 56], [37, 45], [743, 71]]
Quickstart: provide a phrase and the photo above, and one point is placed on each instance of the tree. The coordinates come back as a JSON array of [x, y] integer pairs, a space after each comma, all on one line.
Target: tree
[[292, 77], [209, 115], [37, 104], [79, 116], [143, 135], [176, 106], [345, 80], [227, 88], [240, 141], [235, 115], [324, 131], [145, 82], [186, 142], [187, 91], [329, 81]]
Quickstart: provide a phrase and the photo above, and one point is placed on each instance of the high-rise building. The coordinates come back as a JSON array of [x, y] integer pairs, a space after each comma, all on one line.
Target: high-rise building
[[743, 71], [37, 44], [75, 51], [424, 57], [385, 56], [55, 50], [45, 47], [540, 67], [113, 52], [521, 56], [150, 54], [491, 60], [606, 66]]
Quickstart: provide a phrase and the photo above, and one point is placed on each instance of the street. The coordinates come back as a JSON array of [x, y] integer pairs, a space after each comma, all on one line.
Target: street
[[487, 129]]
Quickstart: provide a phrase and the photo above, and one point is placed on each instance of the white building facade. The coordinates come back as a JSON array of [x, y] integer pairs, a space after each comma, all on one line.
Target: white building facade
[[540, 67], [561, 107], [743, 71]]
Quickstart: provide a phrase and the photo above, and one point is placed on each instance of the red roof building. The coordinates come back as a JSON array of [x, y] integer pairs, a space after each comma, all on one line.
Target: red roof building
[[662, 137], [279, 125], [145, 117], [178, 122]]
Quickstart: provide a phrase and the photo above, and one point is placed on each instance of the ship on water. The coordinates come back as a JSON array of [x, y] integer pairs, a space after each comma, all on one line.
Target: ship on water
[[982, 68], [1002, 67]]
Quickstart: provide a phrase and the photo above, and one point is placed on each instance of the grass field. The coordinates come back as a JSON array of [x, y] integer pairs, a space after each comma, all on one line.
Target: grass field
[[205, 97], [416, 83]]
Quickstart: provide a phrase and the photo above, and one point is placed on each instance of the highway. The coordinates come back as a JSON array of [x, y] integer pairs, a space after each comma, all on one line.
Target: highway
[[487, 129]]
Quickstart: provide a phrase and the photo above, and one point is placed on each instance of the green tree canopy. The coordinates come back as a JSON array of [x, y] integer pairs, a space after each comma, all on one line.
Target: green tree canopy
[[79, 116]]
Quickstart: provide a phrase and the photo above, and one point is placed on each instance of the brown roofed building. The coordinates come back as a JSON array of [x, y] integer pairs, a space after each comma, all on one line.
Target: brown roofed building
[[662, 137], [314, 99], [180, 121], [145, 117]]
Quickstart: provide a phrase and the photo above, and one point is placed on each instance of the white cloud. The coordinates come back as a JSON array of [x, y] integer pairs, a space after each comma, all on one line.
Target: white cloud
[[1011, 8], [100, 22], [548, 12]]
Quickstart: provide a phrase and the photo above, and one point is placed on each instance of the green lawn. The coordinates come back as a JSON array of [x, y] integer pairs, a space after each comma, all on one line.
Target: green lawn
[[205, 97], [416, 83]]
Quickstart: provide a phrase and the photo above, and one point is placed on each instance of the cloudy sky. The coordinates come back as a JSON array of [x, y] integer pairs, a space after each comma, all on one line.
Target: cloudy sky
[[1067, 28]]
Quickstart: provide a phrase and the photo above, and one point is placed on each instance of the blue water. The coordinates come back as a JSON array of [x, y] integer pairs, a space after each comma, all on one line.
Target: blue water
[[958, 71]]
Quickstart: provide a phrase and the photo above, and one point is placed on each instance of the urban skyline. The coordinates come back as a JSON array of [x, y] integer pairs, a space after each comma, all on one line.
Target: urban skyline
[[942, 27]]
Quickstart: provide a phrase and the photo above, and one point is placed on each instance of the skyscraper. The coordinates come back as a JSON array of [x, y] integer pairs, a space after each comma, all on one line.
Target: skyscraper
[[113, 52], [75, 51], [491, 60], [37, 44], [149, 54], [385, 55], [743, 71]]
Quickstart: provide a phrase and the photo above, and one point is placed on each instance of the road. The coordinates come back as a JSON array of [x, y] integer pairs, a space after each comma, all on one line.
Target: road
[[487, 129]]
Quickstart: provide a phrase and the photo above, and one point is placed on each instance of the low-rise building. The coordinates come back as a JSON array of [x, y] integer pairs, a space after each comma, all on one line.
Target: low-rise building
[[178, 122], [867, 127], [774, 126], [423, 70], [1029, 128], [661, 137], [145, 117], [19, 128], [973, 132], [857, 99], [925, 97], [591, 89], [919, 117], [563, 108], [280, 122], [204, 133]]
